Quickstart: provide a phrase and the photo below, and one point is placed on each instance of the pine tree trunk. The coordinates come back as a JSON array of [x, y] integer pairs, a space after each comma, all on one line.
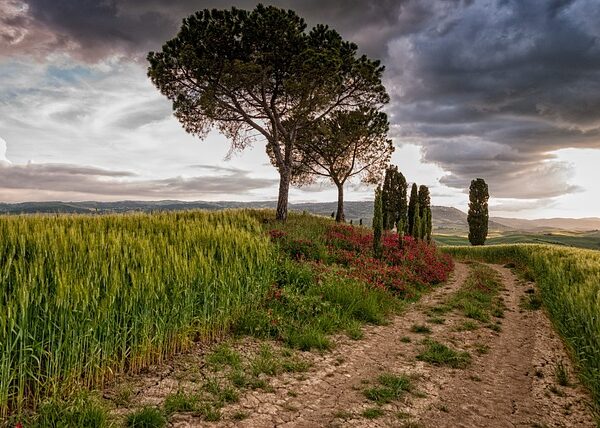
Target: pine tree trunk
[[284, 190], [340, 217]]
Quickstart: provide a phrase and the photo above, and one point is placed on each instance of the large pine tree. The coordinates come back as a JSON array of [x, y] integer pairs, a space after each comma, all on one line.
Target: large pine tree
[[262, 75], [478, 211]]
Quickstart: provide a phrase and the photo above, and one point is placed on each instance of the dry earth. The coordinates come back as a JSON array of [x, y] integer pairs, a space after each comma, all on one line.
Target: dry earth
[[510, 382]]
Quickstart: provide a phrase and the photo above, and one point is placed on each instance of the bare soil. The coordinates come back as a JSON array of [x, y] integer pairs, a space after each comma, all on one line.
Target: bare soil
[[510, 382]]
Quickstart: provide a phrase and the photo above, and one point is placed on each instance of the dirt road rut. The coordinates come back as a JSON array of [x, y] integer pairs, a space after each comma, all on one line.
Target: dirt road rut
[[510, 381]]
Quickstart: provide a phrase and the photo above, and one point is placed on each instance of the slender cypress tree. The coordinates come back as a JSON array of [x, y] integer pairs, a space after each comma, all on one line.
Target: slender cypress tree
[[401, 207], [429, 225], [478, 211], [424, 211], [387, 197], [377, 225], [416, 224], [411, 208]]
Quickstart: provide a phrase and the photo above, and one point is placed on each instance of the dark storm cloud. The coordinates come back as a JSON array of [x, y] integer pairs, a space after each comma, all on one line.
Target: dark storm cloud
[[97, 28], [487, 87], [72, 179], [491, 89]]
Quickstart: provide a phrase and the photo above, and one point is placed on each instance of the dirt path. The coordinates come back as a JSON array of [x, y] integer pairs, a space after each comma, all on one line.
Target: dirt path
[[510, 382]]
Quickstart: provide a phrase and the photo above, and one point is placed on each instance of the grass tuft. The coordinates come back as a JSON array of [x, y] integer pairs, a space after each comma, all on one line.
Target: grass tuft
[[440, 354], [180, 402], [373, 413], [391, 387], [147, 417], [561, 373], [419, 328]]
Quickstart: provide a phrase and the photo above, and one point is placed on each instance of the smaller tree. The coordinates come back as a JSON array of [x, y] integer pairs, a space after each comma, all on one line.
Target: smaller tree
[[377, 225], [425, 212], [478, 211], [387, 197], [394, 200], [416, 224], [341, 146], [412, 209], [429, 226]]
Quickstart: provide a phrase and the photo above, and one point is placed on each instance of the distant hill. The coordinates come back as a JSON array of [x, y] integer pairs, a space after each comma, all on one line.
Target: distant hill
[[547, 224], [446, 220]]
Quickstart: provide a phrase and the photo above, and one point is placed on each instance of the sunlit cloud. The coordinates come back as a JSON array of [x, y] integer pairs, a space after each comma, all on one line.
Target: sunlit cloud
[[479, 88]]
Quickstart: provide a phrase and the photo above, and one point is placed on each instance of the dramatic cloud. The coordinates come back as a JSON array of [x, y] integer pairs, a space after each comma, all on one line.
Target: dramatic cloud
[[79, 182], [491, 89], [486, 88]]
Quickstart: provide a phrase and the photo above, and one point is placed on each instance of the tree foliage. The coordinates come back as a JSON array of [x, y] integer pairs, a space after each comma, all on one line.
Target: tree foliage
[[424, 199], [261, 75], [394, 201], [478, 215], [346, 144], [377, 225], [413, 209]]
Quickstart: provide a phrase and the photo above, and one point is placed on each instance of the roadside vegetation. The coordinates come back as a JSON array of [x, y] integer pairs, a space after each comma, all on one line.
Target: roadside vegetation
[[569, 283], [115, 294], [86, 298], [477, 299]]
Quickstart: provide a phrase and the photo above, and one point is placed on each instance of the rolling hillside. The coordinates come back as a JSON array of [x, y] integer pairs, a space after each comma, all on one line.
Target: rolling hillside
[[446, 220]]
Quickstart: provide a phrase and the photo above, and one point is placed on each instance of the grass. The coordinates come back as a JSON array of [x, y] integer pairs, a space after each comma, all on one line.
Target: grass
[[223, 356], [239, 416], [568, 281], [478, 297], [467, 326], [342, 414], [308, 307], [89, 298], [440, 354], [390, 388], [180, 402], [123, 395], [589, 240], [86, 297], [419, 328], [561, 374], [82, 411], [481, 348], [373, 413], [147, 417], [531, 301]]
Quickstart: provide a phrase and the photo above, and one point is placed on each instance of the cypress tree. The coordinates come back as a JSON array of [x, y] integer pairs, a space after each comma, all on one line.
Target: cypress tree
[[429, 225], [411, 208], [424, 212], [401, 207], [416, 224], [377, 225], [478, 211], [388, 197]]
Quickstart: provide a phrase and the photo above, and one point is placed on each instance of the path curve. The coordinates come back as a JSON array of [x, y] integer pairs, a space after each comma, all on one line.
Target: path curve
[[509, 386]]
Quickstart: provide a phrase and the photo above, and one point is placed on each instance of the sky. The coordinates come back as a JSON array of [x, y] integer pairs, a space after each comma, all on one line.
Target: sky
[[506, 90]]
